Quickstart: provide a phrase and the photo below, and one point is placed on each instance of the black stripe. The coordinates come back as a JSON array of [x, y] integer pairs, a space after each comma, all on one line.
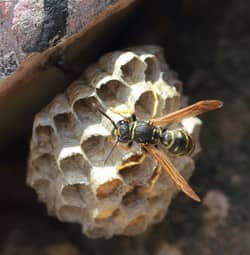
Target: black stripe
[[53, 25]]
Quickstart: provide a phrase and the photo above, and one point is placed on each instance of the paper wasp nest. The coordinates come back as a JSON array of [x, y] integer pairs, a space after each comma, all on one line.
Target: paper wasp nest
[[71, 138]]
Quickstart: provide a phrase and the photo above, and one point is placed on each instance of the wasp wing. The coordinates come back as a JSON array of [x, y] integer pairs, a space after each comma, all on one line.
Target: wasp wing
[[176, 177], [191, 110]]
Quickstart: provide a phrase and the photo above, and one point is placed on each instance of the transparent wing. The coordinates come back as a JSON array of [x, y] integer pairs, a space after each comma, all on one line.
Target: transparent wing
[[173, 173], [191, 110]]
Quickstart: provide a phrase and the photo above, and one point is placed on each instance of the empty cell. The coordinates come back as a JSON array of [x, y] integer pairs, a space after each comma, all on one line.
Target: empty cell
[[108, 188], [71, 213], [44, 135], [132, 198], [86, 111], [145, 105], [44, 139], [45, 166], [67, 126], [133, 71], [113, 92], [96, 149], [76, 194], [75, 168], [42, 187], [152, 72]]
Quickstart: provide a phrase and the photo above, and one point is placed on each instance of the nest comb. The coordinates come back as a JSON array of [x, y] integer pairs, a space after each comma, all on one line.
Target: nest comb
[[71, 138]]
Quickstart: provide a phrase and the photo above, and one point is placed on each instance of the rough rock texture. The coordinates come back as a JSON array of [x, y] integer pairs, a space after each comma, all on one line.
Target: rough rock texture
[[70, 140], [34, 25]]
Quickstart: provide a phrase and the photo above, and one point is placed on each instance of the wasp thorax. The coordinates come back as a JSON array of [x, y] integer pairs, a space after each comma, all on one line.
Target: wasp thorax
[[71, 140], [123, 131]]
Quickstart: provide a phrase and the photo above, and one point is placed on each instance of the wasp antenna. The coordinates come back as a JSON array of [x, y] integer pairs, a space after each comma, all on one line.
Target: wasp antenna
[[110, 152], [104, 114]]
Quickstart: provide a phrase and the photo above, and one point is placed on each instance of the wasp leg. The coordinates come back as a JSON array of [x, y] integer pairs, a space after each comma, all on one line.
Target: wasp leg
[[131, 163], [124, 113], [156, 100], [155, 179]]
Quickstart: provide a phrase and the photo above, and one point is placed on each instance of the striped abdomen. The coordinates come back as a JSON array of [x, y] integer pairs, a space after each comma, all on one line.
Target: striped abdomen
[[178, 141]]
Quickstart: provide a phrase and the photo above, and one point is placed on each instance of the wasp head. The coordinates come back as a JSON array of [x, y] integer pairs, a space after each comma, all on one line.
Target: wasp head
[[122, 131]]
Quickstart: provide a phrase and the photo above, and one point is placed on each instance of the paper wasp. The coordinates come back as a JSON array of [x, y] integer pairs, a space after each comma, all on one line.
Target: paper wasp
[[153, 132]]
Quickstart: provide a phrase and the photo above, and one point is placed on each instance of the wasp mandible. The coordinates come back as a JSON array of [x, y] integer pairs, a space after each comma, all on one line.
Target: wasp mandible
[[153, 132]]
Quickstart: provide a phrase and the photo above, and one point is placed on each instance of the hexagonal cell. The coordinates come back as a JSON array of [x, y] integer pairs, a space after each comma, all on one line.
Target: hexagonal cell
[[113, 92], [71, 213], [171, 104], [131, 198], [108, 188], [75, 168], [157, 190], [107, 216], [136, 226], [45, 136], [45, 167], [152, 72], [110, 219], [145, 105], [67, 126], [79, 89], [86, 111], [42, 187], [96, 149], [76, 194], [133, 71], [137, 174]]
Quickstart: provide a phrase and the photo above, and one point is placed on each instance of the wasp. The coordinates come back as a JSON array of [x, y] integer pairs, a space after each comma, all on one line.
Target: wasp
[[153, 132]]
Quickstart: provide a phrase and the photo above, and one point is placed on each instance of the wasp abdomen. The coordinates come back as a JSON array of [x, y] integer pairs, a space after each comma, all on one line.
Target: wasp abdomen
[[178, 141]]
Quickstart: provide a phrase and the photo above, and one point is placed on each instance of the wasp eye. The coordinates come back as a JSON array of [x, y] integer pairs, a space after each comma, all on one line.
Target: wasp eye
[[121, 122]]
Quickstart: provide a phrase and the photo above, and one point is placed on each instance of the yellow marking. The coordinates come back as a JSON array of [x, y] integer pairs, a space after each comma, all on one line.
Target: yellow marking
[[133, 130], [187, 138], [172, 141], [118, 132], [156, 103], [131, 164], [153, 136]]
